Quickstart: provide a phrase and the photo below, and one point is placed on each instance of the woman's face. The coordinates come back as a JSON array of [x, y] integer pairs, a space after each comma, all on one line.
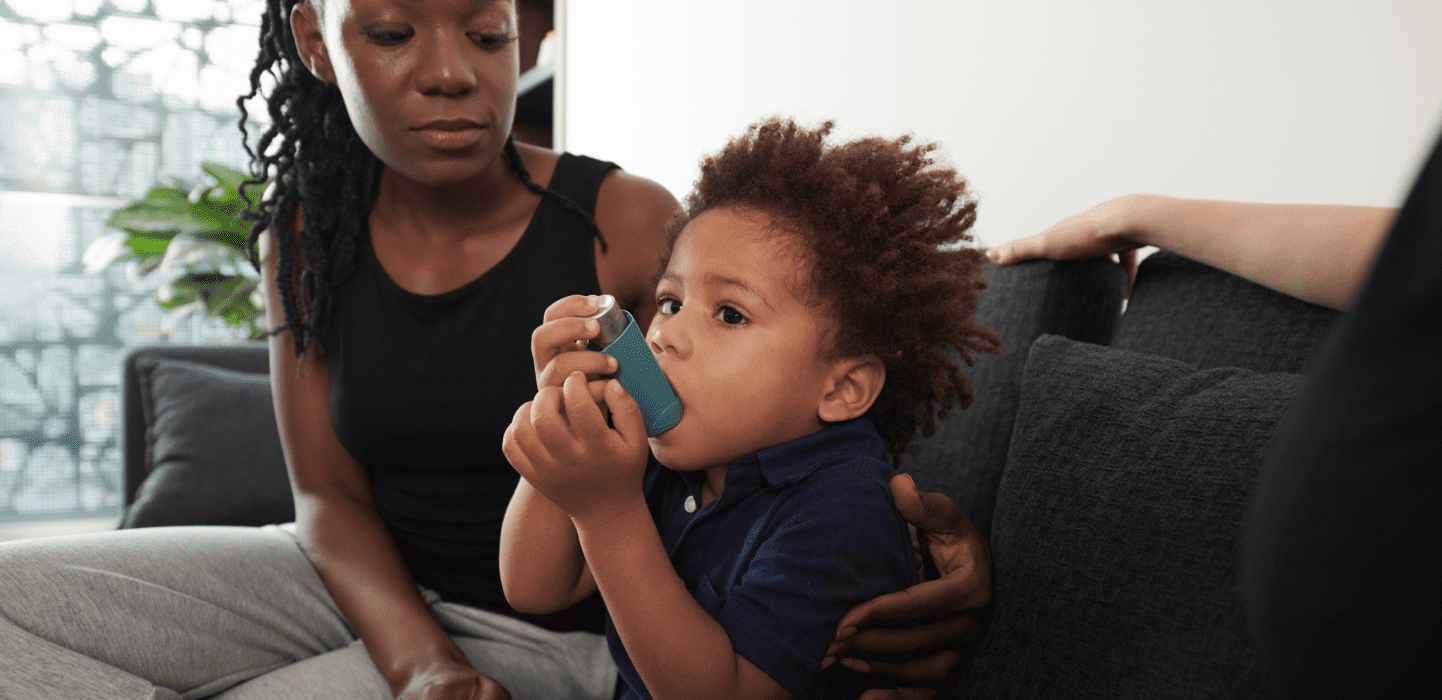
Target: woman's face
[[430, 84]]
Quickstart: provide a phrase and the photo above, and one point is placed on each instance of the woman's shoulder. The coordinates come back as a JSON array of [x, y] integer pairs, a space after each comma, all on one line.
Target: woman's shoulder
[[632, 213]]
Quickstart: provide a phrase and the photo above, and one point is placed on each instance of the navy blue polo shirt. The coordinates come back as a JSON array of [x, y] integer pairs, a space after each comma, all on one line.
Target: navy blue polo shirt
[[802, 532]]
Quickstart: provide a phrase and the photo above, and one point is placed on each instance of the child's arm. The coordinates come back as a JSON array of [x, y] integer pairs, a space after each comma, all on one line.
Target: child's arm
[[561, 445], [679, 650], [542, 568]]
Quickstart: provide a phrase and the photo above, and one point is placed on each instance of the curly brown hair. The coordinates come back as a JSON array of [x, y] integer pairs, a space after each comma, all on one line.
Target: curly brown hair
[[883, 229]]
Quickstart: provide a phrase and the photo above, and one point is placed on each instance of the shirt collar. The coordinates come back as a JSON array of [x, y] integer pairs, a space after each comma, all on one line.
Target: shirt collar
[[794, 460]]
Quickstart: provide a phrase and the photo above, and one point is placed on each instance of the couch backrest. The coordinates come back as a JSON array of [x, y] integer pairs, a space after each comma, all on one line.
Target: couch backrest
[[1080, 300], [1207, 318], [1113, 482]]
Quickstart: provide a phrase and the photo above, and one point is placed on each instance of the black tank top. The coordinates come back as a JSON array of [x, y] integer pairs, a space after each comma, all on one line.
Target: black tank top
[[424, 386]]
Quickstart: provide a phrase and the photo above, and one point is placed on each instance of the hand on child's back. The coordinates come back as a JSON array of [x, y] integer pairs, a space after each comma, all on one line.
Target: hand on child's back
[[913, 638]]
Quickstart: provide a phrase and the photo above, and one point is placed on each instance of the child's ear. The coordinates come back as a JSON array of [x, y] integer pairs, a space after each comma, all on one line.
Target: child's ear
[[852, 387], [309, 42]]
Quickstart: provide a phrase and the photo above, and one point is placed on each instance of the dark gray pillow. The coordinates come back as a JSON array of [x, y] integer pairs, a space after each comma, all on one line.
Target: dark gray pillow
[[213, 453], [1116, 539], [1080, 300]]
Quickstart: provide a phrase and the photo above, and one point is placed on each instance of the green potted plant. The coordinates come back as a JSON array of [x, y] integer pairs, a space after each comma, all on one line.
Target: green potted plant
[[192, 235]]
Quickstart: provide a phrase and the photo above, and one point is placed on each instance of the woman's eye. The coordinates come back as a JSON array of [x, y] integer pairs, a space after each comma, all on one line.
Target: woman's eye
[[730, 316], [670, 306], [492, 40], [386, 36]]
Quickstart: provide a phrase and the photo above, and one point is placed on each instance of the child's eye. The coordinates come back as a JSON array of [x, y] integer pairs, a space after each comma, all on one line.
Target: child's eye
[[730, 316], [387, 36], [669, 306], [491, 40]]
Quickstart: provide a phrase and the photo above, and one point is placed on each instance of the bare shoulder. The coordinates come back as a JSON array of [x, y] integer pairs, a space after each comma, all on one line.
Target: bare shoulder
[[540, 162], [632, 213]]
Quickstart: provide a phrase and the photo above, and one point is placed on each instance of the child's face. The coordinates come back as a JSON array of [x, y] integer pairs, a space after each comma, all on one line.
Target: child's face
[[742, 351]]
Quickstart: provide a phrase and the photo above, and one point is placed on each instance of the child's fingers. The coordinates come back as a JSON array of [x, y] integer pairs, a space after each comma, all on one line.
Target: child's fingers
[[625, 414], [559, 336], [592, 364], [551, 424], [521, 444], [597, 387], [514, 454], [573, 305], [581, 410]]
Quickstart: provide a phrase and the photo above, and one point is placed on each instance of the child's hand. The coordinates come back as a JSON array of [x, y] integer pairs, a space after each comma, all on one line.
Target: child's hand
[[560, 443], [558, 345]]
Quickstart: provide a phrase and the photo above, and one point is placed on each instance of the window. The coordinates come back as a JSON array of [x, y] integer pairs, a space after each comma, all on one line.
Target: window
[[99, 101]]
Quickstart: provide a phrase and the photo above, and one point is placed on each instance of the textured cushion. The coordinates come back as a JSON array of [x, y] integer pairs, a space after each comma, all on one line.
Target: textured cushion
[[1080, 300], [213, 451], [1116, 535], [1207, 318]]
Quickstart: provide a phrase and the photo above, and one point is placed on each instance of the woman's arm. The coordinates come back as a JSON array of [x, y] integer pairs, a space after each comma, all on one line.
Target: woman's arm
[[542, 568], [632, 212], [339, 529], [913, 638], [1316, 252]]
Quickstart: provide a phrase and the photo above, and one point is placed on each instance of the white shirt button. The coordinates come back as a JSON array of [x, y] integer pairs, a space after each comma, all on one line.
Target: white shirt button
[[690, 504]]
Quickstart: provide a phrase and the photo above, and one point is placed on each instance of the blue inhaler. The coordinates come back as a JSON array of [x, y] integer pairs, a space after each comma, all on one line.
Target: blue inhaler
[[636, 367]]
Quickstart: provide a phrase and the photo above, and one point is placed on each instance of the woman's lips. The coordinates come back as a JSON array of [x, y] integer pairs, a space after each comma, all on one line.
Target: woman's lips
[[449, 134]]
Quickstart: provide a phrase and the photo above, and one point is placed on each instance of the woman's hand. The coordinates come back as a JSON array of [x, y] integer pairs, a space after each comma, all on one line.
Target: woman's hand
[[558, 345], [561, 445], [915, 636], [452, 681], [1101, 230]]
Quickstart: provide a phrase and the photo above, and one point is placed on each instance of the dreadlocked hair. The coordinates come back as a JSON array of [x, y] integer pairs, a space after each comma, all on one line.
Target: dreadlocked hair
[[316, 158], [882, 229]]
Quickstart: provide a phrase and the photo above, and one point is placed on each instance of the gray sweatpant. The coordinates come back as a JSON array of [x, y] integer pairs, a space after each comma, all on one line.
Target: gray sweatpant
[[231, 612]]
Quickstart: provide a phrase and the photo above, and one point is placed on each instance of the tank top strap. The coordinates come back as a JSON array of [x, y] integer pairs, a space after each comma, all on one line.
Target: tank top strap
[[579, 179]]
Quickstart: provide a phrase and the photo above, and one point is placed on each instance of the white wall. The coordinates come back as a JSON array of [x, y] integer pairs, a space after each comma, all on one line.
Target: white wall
[[1048, 107]]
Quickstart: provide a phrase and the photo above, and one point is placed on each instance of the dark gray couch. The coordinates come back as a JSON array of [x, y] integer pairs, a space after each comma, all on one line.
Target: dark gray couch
[[1109, 458]]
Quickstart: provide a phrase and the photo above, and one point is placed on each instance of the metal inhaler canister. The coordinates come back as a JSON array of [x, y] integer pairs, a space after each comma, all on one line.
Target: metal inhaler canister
[[636, 367]]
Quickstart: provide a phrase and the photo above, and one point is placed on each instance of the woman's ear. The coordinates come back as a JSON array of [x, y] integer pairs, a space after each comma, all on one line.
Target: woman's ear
[[305, 23], [852, 387]]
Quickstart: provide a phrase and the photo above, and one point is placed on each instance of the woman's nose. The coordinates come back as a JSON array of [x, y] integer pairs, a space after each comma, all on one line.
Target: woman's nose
[[444, 69]]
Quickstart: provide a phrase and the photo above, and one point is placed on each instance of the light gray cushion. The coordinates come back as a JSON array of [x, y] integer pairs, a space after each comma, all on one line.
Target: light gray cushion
[[213, 453], [1118, 521]]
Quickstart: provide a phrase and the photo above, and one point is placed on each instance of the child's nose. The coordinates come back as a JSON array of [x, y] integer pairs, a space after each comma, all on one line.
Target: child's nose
[[669, 337]]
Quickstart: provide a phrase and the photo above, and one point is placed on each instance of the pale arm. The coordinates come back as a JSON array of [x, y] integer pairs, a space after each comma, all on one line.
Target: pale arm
[[1316, 252]]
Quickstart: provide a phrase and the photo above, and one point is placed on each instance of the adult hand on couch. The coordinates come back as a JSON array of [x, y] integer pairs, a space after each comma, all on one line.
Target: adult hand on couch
[[1102, 230], [915, 637], [1320, 253]]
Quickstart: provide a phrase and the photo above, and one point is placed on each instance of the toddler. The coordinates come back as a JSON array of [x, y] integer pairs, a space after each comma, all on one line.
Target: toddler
[[809, 310]]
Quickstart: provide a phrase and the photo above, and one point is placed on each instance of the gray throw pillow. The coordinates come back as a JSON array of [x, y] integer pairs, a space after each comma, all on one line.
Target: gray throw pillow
[[213, 453], [1116, 538]]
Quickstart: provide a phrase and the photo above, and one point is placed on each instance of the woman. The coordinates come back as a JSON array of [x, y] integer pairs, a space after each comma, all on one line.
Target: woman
[[413, 241]]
